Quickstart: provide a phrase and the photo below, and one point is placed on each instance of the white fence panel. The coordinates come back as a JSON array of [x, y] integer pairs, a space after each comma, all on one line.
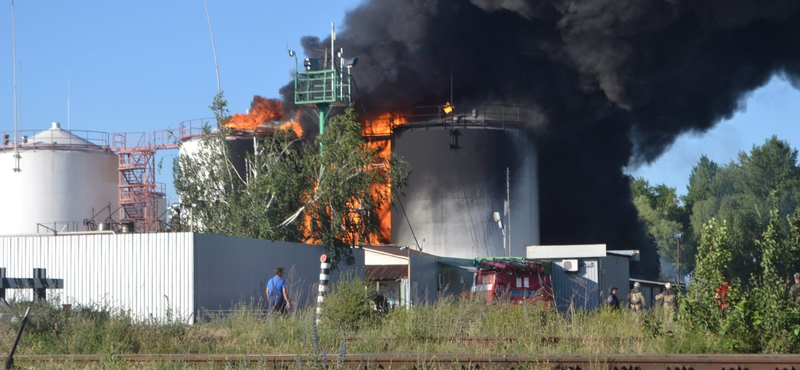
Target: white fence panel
[[148, 274]]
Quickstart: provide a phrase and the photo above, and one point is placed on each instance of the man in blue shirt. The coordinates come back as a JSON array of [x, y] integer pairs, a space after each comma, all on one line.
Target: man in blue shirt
[[276, 292]]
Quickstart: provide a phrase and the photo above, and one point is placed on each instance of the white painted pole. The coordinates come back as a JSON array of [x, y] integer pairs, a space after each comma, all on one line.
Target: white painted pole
[[324, 278]]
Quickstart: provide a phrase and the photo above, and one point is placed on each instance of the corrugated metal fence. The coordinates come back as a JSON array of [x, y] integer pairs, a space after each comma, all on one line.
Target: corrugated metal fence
[[147, 274], [163, 275]]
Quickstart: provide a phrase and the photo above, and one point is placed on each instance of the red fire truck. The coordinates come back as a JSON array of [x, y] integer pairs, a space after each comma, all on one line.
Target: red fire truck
[[516, 280]]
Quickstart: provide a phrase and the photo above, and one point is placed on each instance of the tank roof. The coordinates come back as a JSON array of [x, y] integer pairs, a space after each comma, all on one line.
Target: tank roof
[[55, 135]]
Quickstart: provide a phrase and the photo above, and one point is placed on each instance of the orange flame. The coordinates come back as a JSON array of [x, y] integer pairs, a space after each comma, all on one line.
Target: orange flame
[[262, 110], [379, 132], [447, 108], [294, 125]]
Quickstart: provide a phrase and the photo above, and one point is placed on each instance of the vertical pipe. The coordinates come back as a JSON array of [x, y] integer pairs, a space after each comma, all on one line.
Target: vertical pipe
[[324, 278], [323, 108]]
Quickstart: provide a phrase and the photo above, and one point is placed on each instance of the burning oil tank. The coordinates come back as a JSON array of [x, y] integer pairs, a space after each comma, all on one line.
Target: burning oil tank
[[242, 131], [458, 166], [61, 179]]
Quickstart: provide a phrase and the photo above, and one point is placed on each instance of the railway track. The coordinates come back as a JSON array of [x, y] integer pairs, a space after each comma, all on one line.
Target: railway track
[[448, 361]]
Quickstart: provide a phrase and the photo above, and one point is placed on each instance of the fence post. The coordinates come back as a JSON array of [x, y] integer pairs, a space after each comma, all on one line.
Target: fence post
[[324, 277], [39, 292], [2, 289]]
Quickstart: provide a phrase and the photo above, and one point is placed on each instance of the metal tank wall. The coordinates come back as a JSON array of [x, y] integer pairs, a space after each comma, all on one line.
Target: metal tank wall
[[452, 193], [62, 178], [239, 145]]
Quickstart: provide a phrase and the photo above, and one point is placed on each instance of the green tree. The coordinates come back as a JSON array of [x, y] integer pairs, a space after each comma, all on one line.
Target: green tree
[[286, 188], [700, 308], [739, 193], [660, 210]]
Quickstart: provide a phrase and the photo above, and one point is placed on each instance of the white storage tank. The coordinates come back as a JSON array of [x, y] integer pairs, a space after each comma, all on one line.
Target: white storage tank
[[62, 178]]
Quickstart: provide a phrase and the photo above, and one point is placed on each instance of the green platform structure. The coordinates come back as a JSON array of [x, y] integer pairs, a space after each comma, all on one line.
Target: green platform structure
[[324, 83]]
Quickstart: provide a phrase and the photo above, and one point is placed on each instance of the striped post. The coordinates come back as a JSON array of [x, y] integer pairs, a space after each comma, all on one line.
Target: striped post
[[324, 277]]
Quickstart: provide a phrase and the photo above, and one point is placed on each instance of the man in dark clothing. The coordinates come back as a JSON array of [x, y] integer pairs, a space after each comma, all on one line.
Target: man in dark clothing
[[276, 293], [794, 293], [612, 300]]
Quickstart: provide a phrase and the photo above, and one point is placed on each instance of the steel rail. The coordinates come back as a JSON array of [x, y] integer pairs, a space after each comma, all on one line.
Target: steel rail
[[464, 361]]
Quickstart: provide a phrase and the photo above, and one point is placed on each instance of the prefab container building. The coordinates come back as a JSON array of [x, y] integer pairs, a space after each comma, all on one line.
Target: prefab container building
[[583, 274], [162, 274]]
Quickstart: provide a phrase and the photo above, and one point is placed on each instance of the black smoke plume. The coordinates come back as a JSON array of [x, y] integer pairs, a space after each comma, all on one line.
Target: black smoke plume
[[616, 81]]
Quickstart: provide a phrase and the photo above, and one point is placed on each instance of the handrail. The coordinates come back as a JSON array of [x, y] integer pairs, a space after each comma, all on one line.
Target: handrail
[[486, 116]]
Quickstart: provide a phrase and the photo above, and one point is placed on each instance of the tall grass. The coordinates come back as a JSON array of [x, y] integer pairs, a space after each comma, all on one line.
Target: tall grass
[[433, 328]]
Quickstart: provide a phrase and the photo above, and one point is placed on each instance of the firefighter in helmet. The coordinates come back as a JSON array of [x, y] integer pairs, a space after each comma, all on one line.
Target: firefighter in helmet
[[667, 300], [636, 300]]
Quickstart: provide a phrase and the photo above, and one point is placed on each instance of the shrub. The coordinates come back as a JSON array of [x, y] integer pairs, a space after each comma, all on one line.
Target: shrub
[[347, 306]]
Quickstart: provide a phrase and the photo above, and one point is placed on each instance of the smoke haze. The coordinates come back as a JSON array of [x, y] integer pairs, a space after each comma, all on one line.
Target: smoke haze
[[615, 81]]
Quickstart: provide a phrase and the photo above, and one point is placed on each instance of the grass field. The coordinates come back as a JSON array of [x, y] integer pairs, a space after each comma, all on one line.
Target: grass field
[[448, 326]]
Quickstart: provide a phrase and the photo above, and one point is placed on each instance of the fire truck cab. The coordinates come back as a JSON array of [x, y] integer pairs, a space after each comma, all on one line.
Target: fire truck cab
[[515, 280]]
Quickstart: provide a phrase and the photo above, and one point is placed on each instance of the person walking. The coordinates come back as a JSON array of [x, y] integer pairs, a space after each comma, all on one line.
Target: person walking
[[612, 301], [667, 300], [794, 293], [276, 293], [636, 300]]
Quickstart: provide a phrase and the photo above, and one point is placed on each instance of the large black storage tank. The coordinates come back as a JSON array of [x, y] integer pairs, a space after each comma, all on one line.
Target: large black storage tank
[[458, 180]]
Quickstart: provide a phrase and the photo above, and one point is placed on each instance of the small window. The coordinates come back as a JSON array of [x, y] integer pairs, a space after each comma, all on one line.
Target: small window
[[519, 282], [527, 283]]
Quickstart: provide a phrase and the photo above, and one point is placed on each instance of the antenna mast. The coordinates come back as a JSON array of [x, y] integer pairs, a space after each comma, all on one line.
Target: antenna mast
[[14, 36], [213, 47], [508, 209]]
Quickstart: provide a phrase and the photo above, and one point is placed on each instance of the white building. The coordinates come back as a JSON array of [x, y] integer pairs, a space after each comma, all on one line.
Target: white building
[[581, 275], [407, 277], [156, 274]]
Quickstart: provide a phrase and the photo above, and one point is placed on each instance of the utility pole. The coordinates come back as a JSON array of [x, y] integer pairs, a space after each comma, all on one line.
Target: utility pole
[[507, 210], [679, 261]]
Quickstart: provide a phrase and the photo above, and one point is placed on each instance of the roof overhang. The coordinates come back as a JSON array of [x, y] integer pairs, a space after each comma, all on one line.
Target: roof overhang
[[547, 252]]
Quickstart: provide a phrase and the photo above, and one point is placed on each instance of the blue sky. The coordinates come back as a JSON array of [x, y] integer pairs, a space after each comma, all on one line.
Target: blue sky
[[135, 66], [771, 110], [148, 65]]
